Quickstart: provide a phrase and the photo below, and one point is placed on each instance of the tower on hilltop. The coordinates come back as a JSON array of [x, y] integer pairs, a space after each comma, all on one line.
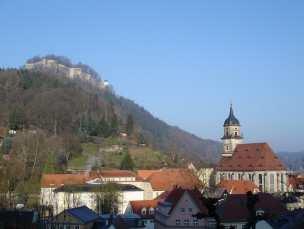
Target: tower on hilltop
[[232, 134]]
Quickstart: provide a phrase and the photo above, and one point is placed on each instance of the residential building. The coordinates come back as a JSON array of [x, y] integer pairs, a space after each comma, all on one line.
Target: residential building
[[145, 209], [60, 190], [234, 212], [165, 179], [63, 191], [73, 218], [255, 162], [287, 220], [182, 208]]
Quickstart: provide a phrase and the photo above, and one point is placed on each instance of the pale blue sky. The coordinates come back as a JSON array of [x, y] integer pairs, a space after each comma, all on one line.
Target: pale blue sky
[[182, 60]]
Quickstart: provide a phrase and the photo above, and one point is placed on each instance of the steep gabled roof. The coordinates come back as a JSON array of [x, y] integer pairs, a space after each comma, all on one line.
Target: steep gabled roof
[[84, 214], [138, 205], [174, 196], [238, 186], [234, 207], [251, 157]]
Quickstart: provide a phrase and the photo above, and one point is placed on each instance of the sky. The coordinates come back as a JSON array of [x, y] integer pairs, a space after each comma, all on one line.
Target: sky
[[184, 61]]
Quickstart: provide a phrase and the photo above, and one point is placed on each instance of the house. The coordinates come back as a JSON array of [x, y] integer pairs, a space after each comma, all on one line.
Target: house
[[287, 220], [63, 191], [255, 162], [235, 212], [165, 179], [56, 188], [296, 183], [238, 186], [75, 218], [145, 209], [19, 219], [293, 201], [182, 208], [91, 196]]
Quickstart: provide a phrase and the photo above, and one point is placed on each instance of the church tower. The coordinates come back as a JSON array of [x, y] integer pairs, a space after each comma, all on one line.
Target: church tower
[[232, 134]]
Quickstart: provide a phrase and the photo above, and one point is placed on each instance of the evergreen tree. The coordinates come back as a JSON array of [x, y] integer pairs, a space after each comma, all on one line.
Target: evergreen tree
[[130, 125], [17, 119], [127, 162], [103, 128], [114, 125]]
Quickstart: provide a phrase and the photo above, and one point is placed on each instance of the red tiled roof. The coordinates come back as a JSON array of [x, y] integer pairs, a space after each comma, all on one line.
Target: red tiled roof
[[238, 186], [138, 205], [251, 157], [144, 174], [176, 194], [166, 179], [57, 180], [234, 208], [112, 173], [296, 182]]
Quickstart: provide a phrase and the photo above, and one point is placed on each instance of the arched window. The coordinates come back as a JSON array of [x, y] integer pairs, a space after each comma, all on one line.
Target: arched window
[[151, 211], [144, 211]]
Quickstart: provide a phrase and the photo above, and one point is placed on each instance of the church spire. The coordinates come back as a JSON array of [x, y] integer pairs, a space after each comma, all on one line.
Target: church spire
[[232, 133]]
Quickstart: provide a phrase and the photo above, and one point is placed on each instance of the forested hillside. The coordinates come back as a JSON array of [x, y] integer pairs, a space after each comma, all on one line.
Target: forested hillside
[[60, 106]]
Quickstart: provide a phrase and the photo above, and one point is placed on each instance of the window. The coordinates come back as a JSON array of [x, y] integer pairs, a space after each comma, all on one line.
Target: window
[[227, 147], [261, 182], [186, 222], [182, 209], [178, 222], [282, 182], [271, 182], [76, 227], [190, 209], [235, 133], [151, 211], [195, 222]]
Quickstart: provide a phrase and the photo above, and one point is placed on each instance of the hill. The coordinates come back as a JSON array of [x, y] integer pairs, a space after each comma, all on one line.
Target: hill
[[293, 160], [60, 106]]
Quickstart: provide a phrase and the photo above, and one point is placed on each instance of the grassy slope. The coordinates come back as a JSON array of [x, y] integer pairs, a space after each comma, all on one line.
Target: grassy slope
[[110, 156]]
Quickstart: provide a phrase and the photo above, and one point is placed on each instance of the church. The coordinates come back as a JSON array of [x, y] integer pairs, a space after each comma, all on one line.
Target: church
[[255, 162]]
